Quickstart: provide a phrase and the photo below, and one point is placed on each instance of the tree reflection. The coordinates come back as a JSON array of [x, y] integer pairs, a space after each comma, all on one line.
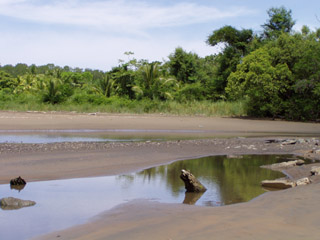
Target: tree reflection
[[236, 179]]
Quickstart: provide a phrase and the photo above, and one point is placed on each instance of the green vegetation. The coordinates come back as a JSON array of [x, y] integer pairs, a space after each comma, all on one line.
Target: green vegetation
[[273, 74]]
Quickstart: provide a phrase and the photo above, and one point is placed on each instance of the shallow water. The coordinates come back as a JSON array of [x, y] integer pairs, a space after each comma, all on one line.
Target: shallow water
[[114, 135], [65, 203], [47, 138]]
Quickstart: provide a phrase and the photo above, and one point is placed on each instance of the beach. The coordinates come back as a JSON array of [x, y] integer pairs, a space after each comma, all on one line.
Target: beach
[[286, 214]]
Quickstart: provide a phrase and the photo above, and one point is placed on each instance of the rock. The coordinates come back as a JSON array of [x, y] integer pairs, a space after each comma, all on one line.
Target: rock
[[11, 203], [289, 142], [191, 183], [315, 171], [272, 141], [17, 181], [299, 162], [288, 164], [278, 184], [303, 181]]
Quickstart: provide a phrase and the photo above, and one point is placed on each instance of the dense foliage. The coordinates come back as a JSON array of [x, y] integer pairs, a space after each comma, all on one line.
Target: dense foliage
[[275, 73]]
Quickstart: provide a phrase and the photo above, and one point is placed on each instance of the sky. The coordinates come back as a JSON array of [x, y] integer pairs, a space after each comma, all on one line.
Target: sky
[[95, 34]]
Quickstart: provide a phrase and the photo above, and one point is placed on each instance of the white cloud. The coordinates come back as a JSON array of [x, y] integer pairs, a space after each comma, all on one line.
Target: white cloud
[[86, 51], [116, 15], [104, 30]]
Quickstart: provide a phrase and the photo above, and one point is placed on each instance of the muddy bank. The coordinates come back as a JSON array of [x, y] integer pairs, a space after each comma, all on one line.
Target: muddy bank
[[68, 160], [291, 213]]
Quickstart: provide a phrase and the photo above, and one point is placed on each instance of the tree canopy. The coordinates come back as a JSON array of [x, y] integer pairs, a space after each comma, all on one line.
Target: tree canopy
[[276, 72]]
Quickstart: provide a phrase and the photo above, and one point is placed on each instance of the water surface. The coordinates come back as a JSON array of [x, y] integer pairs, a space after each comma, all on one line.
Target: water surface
[[65, 203]]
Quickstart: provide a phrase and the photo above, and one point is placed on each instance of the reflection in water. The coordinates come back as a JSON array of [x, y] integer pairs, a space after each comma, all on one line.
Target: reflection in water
[[65, 203], [228, 179], [17, 187], [192, 197]]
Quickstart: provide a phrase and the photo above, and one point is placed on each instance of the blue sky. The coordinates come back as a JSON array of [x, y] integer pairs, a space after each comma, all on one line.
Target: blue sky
[[95, 34]]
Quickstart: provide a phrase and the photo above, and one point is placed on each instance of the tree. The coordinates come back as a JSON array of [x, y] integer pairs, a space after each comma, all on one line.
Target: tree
[[183, 65], [281, 78], [236, 45], [52, 92], [231, 37], [280, 20], [105, 85], [123, 80], [153, 83], [6, 81]]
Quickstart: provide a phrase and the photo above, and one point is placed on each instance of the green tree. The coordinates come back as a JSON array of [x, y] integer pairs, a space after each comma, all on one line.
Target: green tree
[[6, 81], [236, 45], [280, 20], [52, 93], [183, 65], [153, 84], [281, 79], [124, 80], [105, 85]]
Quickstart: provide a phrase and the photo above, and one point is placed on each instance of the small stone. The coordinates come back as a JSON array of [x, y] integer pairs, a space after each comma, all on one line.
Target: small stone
[[303, 181], [315, 171], [271, 141], [289, 142]]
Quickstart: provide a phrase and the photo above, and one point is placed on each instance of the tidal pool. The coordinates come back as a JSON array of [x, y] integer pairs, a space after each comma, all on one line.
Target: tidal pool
[[65, 203]]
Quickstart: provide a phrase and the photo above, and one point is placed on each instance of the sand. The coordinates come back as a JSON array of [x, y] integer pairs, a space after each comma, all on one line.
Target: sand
[[288, 214]]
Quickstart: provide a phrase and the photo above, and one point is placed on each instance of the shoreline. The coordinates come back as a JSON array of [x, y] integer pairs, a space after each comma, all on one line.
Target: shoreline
[[289, 213]]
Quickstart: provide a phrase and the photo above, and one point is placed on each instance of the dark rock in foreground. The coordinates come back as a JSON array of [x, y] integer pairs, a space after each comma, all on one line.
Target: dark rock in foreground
[[17, 181], [191, 183], [11, 203]]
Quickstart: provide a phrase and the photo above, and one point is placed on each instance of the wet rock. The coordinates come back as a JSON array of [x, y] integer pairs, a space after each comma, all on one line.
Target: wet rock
[[11, 203], [288, 164], [17, 181], [192, 184], [289, 142], [303, 181], [272, 141], [278, 184], [315, 171]]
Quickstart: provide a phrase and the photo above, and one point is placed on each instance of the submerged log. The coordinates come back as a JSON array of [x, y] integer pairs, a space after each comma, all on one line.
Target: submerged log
[[191, 183]]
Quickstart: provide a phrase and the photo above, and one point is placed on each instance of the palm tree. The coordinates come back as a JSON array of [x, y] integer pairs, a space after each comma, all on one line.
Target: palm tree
[[52, 92], [105, 85]]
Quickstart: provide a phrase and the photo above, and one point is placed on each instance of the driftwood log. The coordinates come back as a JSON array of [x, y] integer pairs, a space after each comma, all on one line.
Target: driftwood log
[[192, 184]]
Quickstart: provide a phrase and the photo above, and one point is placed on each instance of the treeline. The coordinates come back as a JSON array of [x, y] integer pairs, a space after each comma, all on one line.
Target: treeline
[[276, 73]]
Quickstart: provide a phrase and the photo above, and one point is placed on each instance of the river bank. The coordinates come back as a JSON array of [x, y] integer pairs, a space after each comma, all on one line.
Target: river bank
[[285, 214]]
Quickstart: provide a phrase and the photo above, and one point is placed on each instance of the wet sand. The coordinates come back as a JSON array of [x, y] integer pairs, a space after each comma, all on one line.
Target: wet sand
[[289, 214]]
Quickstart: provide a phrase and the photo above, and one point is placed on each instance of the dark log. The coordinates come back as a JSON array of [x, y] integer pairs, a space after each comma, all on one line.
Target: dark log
[[191, 183]]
